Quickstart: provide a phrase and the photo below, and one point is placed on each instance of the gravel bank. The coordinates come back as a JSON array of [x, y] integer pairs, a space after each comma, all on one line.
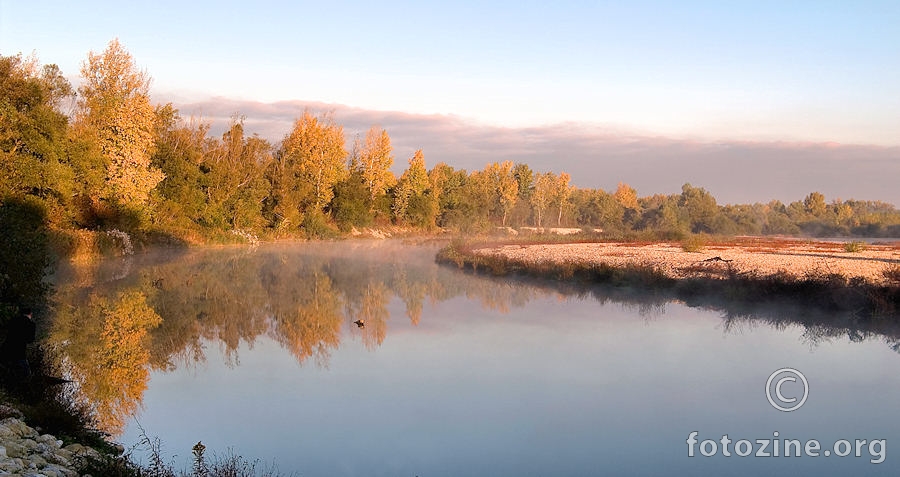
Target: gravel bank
[[797, 259], [27, 453]]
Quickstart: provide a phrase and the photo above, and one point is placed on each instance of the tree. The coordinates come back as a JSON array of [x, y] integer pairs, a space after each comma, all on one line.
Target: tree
[[33, 156], [542, 196], [115, 108], [627, 196], [374, 162], [412, 183], [503, 186], [525, 179], [448, 187], [814, 204], [561, 192], [700, 207], [234, 178], [179, 155], [352, 205], [313, 153]]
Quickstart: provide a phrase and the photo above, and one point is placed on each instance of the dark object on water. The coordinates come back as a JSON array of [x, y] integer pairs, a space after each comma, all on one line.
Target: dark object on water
[[359, 323], [716, 259]]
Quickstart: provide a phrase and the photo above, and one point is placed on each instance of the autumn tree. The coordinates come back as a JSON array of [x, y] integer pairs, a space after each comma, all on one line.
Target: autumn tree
[[115, 109], [626, 196], [503, 186], [561, 192], [814, 204], [411, 187], [308, 165], [374, 161], [542, 195]]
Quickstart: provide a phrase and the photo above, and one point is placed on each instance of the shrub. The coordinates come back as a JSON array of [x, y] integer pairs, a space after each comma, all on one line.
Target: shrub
[[693, 244], [855, 246]]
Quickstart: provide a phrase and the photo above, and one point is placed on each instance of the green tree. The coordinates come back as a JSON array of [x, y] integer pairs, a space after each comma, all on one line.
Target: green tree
[[179, 154], [700, 207], [352, 203], [33, 134], [234, 181]]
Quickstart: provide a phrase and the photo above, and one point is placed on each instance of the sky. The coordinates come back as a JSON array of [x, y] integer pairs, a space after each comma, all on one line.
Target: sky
[[652, 93]]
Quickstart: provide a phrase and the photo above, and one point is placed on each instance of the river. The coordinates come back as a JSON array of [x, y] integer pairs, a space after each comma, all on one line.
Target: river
[[455, 374]]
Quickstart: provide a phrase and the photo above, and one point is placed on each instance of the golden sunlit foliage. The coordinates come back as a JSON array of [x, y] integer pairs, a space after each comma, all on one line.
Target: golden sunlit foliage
[[106, 344], [126, 164], [314, 153], [115, 110], [375, 161]]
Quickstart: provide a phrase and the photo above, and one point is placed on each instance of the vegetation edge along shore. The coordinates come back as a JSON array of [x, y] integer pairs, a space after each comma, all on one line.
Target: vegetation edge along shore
[[830, 292]]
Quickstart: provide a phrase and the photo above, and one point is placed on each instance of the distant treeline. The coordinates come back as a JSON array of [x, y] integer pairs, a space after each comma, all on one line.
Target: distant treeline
[[104, 157]]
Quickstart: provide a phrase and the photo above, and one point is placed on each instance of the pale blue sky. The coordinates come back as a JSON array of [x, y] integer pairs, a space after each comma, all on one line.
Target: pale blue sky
[[815, 71]]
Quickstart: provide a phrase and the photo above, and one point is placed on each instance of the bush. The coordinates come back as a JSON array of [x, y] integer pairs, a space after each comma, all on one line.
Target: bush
[[693, 244], [854, 247]]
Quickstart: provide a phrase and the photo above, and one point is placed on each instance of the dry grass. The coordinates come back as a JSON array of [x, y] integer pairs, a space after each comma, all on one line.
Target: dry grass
[[819, 275]]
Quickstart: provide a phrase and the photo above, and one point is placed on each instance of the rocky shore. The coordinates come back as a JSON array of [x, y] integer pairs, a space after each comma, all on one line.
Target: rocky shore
[[25, 452]]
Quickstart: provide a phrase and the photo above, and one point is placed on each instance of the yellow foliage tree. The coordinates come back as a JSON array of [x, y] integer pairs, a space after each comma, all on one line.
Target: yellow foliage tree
[[561, 192], [505, 185], [115, 110], [413, 182], [626, 196], [542, 196], [314, 152], [374, 162]]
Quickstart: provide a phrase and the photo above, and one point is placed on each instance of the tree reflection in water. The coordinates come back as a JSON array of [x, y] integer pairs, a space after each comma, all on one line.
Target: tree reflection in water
[[110, 332]]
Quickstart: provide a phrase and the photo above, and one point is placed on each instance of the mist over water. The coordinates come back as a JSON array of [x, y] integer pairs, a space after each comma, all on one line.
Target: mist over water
[[256, 349]]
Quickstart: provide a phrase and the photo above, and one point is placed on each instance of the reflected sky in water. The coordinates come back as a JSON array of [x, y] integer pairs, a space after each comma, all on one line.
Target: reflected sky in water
[[457, 374]]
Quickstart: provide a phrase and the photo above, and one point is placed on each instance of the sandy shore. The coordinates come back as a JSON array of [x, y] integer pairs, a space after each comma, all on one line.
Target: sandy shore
[[795, 258]]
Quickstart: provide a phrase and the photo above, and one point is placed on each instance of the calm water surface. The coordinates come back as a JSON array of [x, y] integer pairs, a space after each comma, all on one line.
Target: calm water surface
[[455, 374]]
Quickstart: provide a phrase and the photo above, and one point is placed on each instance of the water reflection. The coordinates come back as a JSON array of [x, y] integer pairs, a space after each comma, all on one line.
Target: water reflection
[[112, 329]]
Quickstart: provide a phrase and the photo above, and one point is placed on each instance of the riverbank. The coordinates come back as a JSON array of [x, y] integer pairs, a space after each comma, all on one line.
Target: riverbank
[[25, 451], [863, 279]]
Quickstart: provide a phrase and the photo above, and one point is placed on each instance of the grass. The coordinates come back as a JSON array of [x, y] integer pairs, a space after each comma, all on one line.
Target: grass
[[821, 290]]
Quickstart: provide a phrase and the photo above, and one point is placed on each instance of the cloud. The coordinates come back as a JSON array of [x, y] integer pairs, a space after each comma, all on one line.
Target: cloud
[[733, 171]]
